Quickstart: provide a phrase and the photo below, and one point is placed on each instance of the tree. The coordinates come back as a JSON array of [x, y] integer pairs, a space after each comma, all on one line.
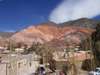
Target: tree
[[11, 46], [96, 44], [35, 47]]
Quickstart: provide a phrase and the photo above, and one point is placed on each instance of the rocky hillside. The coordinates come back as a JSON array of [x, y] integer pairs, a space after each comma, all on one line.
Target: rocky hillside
[[6, 34], [74, 31], [83, 22], [51, 33], [4, 38], [41, 33]]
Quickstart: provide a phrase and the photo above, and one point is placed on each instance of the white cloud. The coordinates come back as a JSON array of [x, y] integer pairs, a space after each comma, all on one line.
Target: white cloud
[[75, 9]]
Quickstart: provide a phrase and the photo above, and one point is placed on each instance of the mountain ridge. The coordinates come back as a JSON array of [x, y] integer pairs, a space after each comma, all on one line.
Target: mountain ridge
[[49, 31], [46, 32]]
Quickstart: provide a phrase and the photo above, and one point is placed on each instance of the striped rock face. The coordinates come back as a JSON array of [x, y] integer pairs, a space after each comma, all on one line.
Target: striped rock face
[[47, 32]]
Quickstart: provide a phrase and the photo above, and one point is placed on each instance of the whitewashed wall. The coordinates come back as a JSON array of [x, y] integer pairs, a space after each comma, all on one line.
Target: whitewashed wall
[[2, 69]]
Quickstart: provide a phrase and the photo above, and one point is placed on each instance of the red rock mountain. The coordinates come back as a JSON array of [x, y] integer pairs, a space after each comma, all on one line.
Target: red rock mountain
[[47, 32]]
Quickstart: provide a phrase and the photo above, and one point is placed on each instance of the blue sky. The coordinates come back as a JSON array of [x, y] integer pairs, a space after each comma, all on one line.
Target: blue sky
[[18, 14]]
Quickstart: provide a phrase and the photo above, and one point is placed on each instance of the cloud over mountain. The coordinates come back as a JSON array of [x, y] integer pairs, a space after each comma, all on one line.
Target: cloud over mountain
[[75, 9]]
